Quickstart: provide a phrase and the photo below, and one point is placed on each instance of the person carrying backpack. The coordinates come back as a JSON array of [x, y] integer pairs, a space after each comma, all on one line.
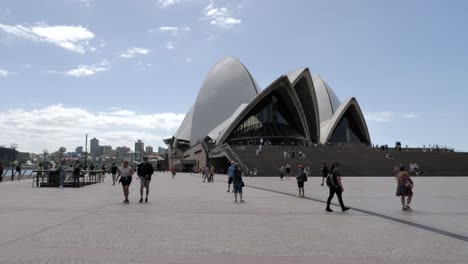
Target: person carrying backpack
[[238, 184], [301, 178], [335, 186]]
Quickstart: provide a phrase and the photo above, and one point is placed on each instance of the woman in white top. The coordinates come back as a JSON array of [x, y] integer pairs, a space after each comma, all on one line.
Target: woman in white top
[[125, 176]]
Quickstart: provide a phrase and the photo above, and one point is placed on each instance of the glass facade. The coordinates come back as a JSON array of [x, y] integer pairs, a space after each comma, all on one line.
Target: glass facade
[[348, 130], [270, 119]]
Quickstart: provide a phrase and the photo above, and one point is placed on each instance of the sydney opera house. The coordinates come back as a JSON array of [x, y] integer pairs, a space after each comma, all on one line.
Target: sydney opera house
[[298, 108]]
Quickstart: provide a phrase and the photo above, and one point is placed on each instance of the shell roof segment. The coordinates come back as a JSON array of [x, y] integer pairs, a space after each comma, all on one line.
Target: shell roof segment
[[227, 85]]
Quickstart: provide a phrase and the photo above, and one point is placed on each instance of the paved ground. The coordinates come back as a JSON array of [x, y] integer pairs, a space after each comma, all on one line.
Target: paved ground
[[188, 221]]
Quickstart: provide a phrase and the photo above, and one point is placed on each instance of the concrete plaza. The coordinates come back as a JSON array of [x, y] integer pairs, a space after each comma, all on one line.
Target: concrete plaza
[[187, 221]]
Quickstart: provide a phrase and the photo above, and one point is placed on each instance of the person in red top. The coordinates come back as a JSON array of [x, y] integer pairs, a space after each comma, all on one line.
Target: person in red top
[[173, 170]]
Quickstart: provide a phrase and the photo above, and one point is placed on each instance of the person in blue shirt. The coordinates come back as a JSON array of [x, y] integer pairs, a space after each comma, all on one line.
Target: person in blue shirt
[[230, 175]]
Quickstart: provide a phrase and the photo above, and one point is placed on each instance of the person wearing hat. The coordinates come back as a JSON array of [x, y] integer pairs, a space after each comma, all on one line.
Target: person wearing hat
[[301, 178], [145, 170]]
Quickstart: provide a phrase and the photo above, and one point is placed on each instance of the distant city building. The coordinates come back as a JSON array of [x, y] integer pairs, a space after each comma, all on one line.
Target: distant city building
[[106, 150], [79, 150], [62, 149], [162, 151], [95, 148], [149, 150], [139, 149], [121, 153]]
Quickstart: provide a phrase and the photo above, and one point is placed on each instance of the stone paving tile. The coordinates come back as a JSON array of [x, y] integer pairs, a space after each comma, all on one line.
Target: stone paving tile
[[188, 221]]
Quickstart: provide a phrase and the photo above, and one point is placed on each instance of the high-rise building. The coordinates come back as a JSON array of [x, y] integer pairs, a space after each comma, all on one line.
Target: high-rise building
[[79, 150], [139, 149], [62, 149], [95, 148], [149, 150], [162, 151], [106, 150]]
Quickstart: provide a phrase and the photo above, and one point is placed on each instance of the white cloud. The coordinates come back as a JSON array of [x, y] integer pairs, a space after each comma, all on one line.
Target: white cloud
[[167, 3], [172, 30], [4, 73], [73, 38], [220, 16], [379, 117], [88, 70], [170, 45], [188, 60], [211, 37], [87, 3], [54, 126], [132, 52], [410, 115]]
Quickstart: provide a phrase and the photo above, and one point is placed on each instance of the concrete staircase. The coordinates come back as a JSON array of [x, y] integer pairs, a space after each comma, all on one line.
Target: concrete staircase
[[354, 160]]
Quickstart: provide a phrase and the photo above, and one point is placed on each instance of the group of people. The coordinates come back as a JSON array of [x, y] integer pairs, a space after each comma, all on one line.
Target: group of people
[[17, 170], [235, 178], [124, 176], [332, 178], [291, 154], [207, 173]]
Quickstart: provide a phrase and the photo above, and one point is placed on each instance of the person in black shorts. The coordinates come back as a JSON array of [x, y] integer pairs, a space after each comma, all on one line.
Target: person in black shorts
[[301, 178], [237, 183], [125, 176], [324, 170]]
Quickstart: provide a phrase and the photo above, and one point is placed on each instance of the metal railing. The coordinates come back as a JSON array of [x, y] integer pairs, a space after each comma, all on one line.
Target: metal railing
[[51, 178], [232, 156]]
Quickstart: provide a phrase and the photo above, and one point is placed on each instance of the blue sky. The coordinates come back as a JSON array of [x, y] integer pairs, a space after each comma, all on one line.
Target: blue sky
[[122, 70]]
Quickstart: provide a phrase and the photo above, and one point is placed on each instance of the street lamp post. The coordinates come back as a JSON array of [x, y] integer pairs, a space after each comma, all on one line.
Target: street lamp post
[[13, 147]]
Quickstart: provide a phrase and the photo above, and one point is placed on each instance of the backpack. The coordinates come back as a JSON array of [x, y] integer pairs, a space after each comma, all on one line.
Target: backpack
[[330, 180]]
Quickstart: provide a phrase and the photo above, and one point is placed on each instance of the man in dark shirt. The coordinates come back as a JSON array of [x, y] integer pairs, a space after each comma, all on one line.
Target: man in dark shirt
[[145, 170], [114, 172], [334, 183], [324, 170]]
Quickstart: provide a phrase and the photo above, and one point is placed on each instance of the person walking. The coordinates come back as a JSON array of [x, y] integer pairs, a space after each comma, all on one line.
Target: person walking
[[206, 174], [62, 169], [17, 170], [114, 172], [404, 188], [125, 177], [281, 171], [335, 185], [231, 175], [238, 184], [76, 174], [173, 171], [1, 171], [324, 170], [212, 172], [145, 171], [301, 178], [288, 171], [103, 172]]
